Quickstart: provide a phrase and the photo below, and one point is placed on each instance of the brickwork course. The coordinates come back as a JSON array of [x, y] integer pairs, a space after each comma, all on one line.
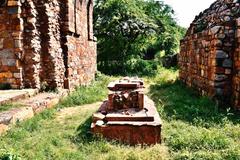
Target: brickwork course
[[47, 42], [209, 59]]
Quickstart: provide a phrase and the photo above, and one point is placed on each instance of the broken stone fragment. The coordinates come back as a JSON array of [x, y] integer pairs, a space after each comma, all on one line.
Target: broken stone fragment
[[227, 63], [12, 3], [228, 71], [219, 43], [9, 62], [221, 35], [5, 118], [221, 77], [16, 115], [238, 21], [3, 128], [227, 18], [221, 54], [1, 43], [215, 29], [219, 92], [6, 54], [219, 84], [238, 33], [99, 123], [13, 10]]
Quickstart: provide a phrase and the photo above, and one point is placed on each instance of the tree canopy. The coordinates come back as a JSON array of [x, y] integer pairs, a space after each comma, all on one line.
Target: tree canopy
[[130, 31]]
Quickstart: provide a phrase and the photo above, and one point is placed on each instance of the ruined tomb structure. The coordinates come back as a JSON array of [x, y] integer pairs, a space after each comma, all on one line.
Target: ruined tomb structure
[[46, 42], [128, 116], [209, 59]]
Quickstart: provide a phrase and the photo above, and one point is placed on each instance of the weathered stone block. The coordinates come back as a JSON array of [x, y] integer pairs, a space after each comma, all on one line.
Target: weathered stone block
[[13, 10], [3, 128], [13, 3], [221, 77], [1, 43], [215, 29], [17, 75], [9, 62], [5, 75], [221, 54], [227, 63], [8, 43]]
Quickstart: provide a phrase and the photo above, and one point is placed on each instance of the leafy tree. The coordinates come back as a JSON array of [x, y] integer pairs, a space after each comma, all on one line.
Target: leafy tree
[[131, 30]]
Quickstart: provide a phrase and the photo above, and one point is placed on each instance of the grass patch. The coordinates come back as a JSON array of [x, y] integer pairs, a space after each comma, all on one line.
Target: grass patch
[[5, 86], [97, 91], [194, 127], [48, 137], [5, 107]]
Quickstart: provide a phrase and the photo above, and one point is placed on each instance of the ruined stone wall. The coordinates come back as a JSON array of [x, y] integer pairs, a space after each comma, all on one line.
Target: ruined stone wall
[[236, 78], [207, 52], [11, 30], [79, 43], [51, 43]]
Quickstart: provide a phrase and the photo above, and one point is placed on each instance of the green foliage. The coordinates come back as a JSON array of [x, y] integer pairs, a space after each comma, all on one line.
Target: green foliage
[[5, 155], [132, 30], [5, 107], [132, 67], [87, 94], [5, 86]]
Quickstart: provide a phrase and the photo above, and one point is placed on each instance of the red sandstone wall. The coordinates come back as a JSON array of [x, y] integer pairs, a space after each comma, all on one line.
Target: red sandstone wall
[[47, 42], [53, 68], [31, 45], [197, 62], [43, 59], [236, 79], [11, 44], [79, 44], [208, 50]]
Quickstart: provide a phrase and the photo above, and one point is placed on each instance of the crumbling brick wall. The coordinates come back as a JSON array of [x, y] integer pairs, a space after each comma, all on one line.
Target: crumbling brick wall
[[11, 29], [47, 42], [208, 55], [81, 53], [236, 78]]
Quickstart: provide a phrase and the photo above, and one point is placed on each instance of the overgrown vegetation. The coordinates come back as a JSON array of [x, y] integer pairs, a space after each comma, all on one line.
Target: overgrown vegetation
[[131, 32], [193, 128], [5, 86], [88, 94], [5, 107]]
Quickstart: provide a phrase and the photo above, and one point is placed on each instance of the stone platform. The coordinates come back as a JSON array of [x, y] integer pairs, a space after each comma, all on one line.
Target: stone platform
[[7, 96], [131, 126], [28, 107]]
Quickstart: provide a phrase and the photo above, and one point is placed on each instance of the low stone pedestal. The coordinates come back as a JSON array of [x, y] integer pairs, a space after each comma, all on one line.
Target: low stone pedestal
[[131, 126]]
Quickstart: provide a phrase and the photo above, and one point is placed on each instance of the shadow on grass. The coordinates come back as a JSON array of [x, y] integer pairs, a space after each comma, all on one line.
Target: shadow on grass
[[84, 137], [89, 143], [83, 132], [175, 101]]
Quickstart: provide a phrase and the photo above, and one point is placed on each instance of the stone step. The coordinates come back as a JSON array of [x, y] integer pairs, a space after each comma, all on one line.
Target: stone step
[[32, 106], [8, 96]]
